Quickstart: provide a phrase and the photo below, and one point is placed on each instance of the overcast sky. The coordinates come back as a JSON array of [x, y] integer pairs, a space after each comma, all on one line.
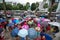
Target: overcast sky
[[24, 1]]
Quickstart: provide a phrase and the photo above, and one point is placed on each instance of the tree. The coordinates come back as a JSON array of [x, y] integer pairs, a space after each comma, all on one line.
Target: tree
[[54, 7], [8, 7], [33, 6], [37, 4], [1, 6], [4, 6], [26, 7], [45, 5], [20, 6], [15, 7]]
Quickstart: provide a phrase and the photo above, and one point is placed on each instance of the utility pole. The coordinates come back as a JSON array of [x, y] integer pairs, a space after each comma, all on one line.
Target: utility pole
[[4, 6]]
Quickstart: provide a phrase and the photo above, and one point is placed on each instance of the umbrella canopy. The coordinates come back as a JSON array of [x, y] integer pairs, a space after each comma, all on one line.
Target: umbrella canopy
[[47, 36], [25, 27], [10, 24], [32, 33], [23, 33], [30, 22], [37, 19], [45, 24], [16, 21], [2, 20], [14, 32], [54, 23], [46, 20]]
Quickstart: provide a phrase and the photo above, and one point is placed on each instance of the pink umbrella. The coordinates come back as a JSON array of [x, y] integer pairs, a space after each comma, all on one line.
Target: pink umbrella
[[47, 20], [25, 27], [38, 25]]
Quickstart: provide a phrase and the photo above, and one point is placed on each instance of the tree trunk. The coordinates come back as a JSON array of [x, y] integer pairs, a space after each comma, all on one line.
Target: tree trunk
[[49, 15], [4, 6]]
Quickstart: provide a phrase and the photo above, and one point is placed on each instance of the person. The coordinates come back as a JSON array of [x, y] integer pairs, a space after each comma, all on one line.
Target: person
[[43, 38], [56, 29], [48, 28], [1, 34]]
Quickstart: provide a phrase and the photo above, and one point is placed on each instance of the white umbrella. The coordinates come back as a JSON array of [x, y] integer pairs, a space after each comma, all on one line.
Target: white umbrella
[[54, 23], [23, 33]]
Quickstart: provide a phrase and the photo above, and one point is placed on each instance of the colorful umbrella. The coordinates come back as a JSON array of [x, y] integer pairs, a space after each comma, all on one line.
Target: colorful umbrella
[[45, 24], [23, 33], [14, 32], [10, 24], [47, 36], [30, 22], [54, 23], [15, 21], [48, 20], [25, 27], [2, 20], [32, 33]]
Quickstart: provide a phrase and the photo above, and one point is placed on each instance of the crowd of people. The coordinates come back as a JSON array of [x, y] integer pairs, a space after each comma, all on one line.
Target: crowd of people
[[27, 29]]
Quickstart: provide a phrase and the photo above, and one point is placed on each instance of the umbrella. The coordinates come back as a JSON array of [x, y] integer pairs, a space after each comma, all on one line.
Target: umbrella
[[47, 36], [32, 33], [10, 24], [25, 27], [16, 21], [14, 32], [45, 24], [30, 22], [36, 19], [2, 20], [23, 33], [54, 23], [46, 20]]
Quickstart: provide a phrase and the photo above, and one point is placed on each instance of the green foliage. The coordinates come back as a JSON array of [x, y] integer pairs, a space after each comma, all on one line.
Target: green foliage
[[8, 7], [33, 6], [45, 5], [20, 6], [53, 8], [37, 4], [1, 6], [14, 7]]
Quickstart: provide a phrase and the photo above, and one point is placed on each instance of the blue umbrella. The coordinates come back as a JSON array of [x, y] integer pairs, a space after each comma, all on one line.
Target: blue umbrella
[[10, 24], [2, 20], [48, 37], [32, 33], [16, 21], [14, 32]]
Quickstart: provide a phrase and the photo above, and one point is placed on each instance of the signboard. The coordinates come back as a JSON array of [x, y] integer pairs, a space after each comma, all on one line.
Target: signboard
[[1, 1]]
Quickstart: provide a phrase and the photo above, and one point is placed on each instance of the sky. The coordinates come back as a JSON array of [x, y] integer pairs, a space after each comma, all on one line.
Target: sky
[[25, 1]]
